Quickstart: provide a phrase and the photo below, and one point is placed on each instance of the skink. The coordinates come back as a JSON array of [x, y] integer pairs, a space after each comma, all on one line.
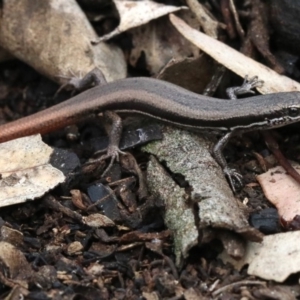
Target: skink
[[167, 102]]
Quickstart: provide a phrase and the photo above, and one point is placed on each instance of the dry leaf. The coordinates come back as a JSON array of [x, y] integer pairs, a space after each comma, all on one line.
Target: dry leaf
[[26, 171], [282, 190], [236, 61], [136, 13], [17, 266], [74, 248], [97, 220], [277, 257], [54, 37], [208, 22], [159, 42]]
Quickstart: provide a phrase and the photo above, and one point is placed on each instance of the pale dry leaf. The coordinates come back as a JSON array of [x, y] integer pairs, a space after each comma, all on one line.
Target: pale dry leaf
[[26, 171], [74, 248], [136, 13], [54, 37], [97, 220], [277, 257], [282, 190], [95, 269], [236, 61]]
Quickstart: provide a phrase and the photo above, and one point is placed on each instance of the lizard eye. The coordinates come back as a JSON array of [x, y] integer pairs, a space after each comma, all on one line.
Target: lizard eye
[[293, 112]]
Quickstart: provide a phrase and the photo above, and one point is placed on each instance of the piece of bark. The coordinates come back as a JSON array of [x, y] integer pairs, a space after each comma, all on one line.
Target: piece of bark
[[210, 196]]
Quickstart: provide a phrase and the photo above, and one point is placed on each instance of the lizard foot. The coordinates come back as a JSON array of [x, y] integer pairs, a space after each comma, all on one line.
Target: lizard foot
[[113, 152], [251, 83], [246, 88], [233, 176]]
